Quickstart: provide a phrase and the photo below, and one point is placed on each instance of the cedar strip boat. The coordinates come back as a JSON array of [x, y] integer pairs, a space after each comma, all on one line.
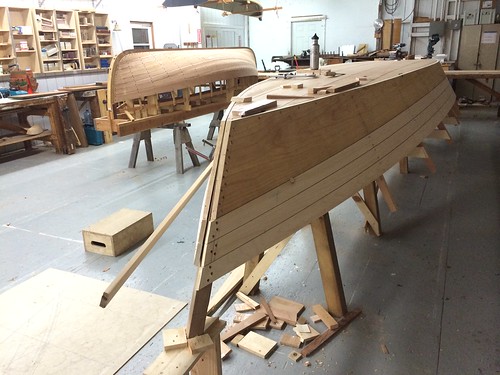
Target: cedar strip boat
[[276, 171], [148, 89]]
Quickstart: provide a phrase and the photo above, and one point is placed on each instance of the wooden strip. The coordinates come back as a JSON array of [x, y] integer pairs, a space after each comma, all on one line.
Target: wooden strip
[[315, 90], [306, 336], [244, 325], [315, 319], [263, 266], [257, 344], [328, 334], [257, 107], [279, 96], [132, 264], [225, 350], [242, 307], [266, 307], [250, 302], [241, 99], [236, 339], [329, 320], [344, 86], [386, 194]]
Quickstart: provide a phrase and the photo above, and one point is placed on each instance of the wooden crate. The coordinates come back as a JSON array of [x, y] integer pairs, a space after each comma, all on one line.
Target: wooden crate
[[118, 232]]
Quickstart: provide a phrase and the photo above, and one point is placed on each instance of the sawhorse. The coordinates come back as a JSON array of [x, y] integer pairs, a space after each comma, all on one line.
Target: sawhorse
[[214, 124], [181, 136]]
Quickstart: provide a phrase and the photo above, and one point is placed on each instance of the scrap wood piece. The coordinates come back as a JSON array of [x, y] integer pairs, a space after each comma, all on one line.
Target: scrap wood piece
[[225, 350], [236, 339], [325, 316], [286, 309], [257, 344], [315, 318], [303, 328], [247, 300], [280, 324], [200, 343], [302, 320], [242, 307], [295, 356], [174, 338], [241, 99], [291, 341], [314, 90], [306, 336], [268, 310], [292, 86], [242, 326], [239, 317], [256, 107], [282, 96], [343, 87], [329, 333], [263, 325]]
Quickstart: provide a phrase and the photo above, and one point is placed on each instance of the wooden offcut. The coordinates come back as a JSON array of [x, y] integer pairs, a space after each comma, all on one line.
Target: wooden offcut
[[289, 340], [118, 232], [257, 344], [174, 338], [242, 326], [329, 320]]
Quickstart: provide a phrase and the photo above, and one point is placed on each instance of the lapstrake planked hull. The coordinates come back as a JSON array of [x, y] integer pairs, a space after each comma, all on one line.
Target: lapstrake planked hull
[[277, 171]]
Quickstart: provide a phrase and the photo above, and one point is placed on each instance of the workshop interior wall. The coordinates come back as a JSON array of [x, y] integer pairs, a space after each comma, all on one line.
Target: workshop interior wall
[[272, 35]]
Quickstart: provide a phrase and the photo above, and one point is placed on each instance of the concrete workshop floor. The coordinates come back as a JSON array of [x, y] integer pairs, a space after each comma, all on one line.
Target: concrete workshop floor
[[429, 287]]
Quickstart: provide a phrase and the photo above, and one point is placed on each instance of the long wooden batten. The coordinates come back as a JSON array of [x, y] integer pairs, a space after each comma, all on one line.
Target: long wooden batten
[[277, 171]]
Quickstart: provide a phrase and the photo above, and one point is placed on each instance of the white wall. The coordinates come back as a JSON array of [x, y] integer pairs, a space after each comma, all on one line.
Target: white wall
[[349, 22]]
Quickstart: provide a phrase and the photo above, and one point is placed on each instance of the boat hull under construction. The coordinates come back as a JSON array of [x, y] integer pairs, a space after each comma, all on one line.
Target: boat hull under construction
[[320, 140]]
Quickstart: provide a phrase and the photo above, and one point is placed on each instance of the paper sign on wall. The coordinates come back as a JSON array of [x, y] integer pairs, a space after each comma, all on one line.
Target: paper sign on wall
[[489, 37]]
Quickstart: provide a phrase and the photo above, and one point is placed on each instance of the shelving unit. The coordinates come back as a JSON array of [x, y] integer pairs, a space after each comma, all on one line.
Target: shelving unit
[[47, 40], [67, 27], [23, 39], [6, 49], [103, 34], [88, 40]]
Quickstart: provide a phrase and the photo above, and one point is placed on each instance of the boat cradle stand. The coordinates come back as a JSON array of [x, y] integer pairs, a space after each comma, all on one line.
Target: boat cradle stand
[[208, 362]]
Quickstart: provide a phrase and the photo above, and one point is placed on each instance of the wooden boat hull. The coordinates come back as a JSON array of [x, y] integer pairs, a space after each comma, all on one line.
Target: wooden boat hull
[[277, 171]]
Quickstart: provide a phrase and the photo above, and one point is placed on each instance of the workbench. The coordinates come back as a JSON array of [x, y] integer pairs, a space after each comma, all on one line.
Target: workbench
[[473, 76], [48, 106]]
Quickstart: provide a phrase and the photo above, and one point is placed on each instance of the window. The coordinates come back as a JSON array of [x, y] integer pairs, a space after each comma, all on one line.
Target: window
[[142, 35]]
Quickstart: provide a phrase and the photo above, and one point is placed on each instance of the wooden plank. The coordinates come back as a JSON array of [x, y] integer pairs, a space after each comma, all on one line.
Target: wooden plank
[[282, 96], [328, 265], [225, 350], [286, 309], [315, 319], [261, 268], [257, 344], [174, 338], [151, 241], [236, 339], [200, 344], [242, 326], [241, 99], [328, 334], [247, 300], [239, 317], [268, 310], [386, 194], [344, 86], [263, 325], [256, 107], [291, 341], [242, 307], [329, 320]]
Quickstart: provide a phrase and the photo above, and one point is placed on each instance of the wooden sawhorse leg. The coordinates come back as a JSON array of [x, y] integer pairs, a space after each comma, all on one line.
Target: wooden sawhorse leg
[[182, 136], [369, 208], [214, 124], [138, 137], [420, 153], [329, 266]]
